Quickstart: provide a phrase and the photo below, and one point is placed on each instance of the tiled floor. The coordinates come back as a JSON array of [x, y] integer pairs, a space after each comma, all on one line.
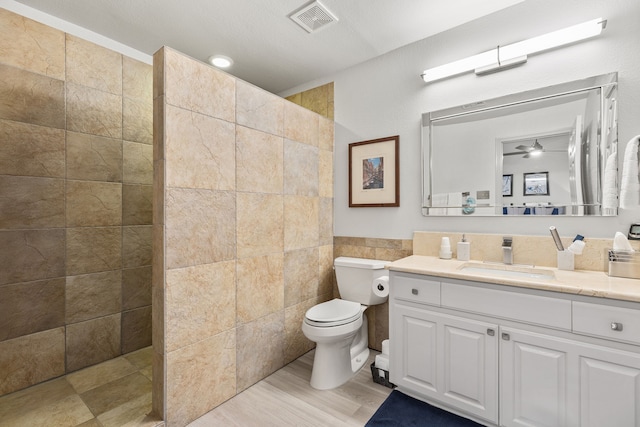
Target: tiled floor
[[115, 393]]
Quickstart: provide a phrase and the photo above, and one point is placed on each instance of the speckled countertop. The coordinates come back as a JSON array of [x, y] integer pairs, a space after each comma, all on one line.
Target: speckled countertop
[[579, 282]]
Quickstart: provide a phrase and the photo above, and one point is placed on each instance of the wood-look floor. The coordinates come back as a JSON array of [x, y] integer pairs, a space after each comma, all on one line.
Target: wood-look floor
[[285, 398]]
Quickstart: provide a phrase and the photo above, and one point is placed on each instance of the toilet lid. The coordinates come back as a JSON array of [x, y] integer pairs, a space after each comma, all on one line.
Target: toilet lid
[[333, 313]]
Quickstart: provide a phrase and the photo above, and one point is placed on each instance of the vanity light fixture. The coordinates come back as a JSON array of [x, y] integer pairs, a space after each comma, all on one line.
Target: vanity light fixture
[[504, 57], [220, 61]]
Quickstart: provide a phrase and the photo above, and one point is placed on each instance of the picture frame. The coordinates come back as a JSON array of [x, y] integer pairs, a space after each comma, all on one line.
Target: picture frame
[[536, 184], [374, 173], [507, 185]]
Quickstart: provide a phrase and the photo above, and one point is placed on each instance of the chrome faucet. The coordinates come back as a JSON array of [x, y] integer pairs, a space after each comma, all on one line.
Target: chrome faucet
[[507, 250]]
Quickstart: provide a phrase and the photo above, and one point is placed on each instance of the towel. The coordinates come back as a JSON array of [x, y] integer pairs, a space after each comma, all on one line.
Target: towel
[[610, 194], [630, 184]]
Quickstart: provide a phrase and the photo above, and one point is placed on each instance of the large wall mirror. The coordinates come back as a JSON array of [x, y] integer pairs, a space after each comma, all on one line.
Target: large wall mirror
[[549, 151]]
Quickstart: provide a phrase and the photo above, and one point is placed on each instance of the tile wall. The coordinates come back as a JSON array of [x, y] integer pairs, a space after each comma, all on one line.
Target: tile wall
[[75, 203], [319, 100], [243, 233]]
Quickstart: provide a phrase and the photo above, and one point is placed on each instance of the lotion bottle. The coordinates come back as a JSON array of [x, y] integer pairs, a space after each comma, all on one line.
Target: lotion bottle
[[464, 249]]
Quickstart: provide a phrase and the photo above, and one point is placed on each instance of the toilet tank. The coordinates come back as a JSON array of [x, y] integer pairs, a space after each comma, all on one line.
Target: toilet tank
[[355, 277]]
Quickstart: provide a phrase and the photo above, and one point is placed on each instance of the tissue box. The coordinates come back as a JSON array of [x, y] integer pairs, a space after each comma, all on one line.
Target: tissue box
[[381, 378], [622, 264]]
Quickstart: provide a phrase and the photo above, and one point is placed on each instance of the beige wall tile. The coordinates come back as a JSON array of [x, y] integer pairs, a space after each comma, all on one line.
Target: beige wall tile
[[136, 245], [199, 87], [27, 255], [95, 376], [300, 169], [31, 202], [296, 344], [200, 151], [200, 227], [137, 120], [137, 203], [137, 79], [92, 342], [93, 111], [136, 329], [259, 109], [159, 119], [301, 275], [34, 46], [325, 221], [158, 395], [137, 163], [354, 251], [24, 363], [300, 124], [136, 287], [91, 250], [92, 203], [200, 377], [94, 66], [381, 325], [159, 65], [31, 98], [31, 307], [260, 224], [260, 289], [327, 275], [94, 158], [326, 133], [301, 226], [259, 161], [116, 393], [95, 295], [316, 99], [325, 173], [31, 150], [260, 347]]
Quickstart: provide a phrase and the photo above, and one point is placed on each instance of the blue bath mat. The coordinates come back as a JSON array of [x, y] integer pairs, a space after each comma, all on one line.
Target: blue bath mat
[[400, 410]]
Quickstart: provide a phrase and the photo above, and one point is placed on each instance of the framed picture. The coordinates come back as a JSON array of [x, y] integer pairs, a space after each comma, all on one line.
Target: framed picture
[[374, 173], [536, 184], [507, 185]]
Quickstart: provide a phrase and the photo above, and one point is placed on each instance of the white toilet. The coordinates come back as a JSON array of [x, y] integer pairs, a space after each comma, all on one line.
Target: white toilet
[[339, 327]]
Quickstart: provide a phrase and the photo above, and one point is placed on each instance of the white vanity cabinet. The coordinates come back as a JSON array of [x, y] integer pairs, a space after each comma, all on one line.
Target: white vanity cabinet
[[513, 357]]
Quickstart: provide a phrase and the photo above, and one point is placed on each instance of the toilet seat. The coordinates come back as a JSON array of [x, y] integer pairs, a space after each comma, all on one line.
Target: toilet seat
[[333, 313]]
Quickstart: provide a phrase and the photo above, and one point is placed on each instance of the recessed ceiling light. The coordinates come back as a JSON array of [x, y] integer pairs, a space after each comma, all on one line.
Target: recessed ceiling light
[[220, 61]]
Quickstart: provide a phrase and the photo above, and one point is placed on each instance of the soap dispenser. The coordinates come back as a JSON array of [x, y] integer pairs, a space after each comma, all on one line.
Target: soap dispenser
[[464, 249]]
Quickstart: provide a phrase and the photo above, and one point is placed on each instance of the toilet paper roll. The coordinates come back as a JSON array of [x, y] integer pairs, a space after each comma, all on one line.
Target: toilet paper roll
[[380, 286], [385, 347], [382, 362]]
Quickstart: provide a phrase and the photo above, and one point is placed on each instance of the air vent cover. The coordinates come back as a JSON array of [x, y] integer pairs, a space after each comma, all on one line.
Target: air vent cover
[[313, 16]]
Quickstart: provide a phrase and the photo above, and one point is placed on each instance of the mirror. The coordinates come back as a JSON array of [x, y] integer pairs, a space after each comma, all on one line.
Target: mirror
[[549, 151]]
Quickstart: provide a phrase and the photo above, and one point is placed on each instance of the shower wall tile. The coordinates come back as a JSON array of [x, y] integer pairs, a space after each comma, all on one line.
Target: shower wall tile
[[300, 124], [201, 302], [34, 46], [31, 98], [260, 287], [92, 203], [325, 221], [137, 120], [31, 202], [24, 363], [259, 161], [199, 87], [95, 295], [93, 341], [190, 392], [93, 158], [296, 344], [94, 66], [136, 246], [301, 275], [27, 255], [326, 133], [260, 224], [136, 329], [31, 307], [93, 111], [137, 163], [159, 124], [137, 79], [326, 272], [325, 173], [137, 204], [200, 227], [259, 109], [31, 150], [267, 335], [200, 151], [315, 99], [136, 287], [300, 169], [301, 226], [91, 250]]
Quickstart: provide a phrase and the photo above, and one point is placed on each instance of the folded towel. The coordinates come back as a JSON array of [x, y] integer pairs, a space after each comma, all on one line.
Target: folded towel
[[630, 183], [610, 194]]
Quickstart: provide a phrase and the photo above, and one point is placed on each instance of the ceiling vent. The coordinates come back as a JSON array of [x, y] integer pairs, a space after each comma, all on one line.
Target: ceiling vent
[[313, 16]]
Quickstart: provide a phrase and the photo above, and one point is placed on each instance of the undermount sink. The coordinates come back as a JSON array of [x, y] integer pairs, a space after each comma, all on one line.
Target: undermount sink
[[514, 271]]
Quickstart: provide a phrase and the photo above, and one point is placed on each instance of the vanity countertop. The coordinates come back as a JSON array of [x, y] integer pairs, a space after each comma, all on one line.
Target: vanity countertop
[[579, 282]]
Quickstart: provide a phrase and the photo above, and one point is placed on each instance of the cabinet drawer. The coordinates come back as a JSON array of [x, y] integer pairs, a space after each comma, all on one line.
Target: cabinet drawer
[[615, 323], [415, 289]]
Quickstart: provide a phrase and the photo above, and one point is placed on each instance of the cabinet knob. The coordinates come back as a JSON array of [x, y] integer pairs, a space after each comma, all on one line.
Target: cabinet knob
[[414, 291], [615, 326], [491, 332], [506, 336]]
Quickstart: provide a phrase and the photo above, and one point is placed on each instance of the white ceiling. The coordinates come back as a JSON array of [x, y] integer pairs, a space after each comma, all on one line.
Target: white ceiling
[[269, 49]]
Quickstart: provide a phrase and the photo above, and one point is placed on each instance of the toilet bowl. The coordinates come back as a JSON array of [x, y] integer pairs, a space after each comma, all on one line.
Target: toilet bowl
[[339, 327]]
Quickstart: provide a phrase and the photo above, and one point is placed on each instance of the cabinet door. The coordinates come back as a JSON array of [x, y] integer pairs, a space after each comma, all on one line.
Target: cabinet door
[[535, 386], [609, 388]]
